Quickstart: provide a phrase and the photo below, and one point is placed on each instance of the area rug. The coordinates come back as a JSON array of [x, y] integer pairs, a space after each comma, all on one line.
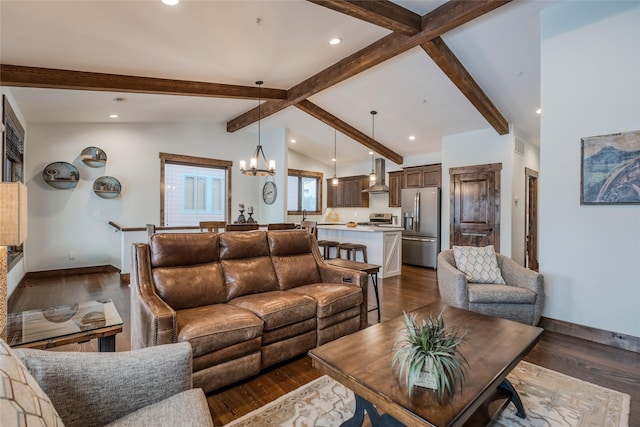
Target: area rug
[[550, 399]]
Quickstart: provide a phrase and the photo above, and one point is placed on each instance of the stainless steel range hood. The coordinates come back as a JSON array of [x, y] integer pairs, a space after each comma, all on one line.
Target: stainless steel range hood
[[379, 186]]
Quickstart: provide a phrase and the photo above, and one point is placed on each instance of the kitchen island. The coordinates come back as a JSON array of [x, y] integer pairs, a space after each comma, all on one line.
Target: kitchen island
[[384, 244]]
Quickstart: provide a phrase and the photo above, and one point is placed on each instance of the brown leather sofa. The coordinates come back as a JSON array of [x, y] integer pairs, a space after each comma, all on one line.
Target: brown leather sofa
[[243, 300]]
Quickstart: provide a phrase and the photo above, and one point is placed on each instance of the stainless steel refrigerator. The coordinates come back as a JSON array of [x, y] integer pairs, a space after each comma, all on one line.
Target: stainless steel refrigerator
[[421, 222]]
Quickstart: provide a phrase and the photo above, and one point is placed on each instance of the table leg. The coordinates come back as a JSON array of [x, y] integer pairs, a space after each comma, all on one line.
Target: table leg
[[363, 405], [514, 397], [107, 343], [374, 279]]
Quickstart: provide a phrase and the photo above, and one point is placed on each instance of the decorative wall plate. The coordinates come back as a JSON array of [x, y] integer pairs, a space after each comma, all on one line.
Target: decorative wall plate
[[61, 175], [107, 187], [93, 157]]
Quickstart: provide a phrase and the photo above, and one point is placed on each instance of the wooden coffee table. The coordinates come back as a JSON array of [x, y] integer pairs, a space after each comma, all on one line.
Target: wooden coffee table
[[492, 346], [75, 323]]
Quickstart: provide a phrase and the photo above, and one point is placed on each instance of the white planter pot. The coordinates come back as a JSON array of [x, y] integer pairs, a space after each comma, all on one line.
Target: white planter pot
[[426, 378]]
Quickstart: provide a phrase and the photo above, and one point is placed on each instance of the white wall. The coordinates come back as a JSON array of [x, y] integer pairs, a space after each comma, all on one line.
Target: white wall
[[531, 160], [75, 220], [590, 85], [479, 148]]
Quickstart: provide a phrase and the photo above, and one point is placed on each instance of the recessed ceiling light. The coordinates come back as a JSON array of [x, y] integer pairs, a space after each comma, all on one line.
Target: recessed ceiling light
[[371, 153], [411, 137], [171, 2], [335, 40], [539, 111], [293, 141], [333, 160], [113, 116]]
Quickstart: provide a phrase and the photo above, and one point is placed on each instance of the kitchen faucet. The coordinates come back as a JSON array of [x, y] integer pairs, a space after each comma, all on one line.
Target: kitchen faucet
[[304, 214]]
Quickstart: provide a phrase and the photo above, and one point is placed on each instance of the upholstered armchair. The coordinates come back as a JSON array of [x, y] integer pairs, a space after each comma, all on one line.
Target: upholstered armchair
[[148, 387], [520, 298]]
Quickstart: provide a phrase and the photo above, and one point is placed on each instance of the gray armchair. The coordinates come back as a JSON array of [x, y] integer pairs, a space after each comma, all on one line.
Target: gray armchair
[[148, 387], [521, 299]]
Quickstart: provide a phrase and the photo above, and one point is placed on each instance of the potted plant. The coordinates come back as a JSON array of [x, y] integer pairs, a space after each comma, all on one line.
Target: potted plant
[[429, 357]]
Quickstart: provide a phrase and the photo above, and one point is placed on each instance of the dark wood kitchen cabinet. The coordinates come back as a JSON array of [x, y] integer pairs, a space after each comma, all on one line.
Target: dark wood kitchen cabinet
[[412, 177], [348, 193], [395, 189]]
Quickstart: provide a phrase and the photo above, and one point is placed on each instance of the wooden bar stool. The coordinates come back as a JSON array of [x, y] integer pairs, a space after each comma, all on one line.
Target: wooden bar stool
[[352, 248], [326, 246]]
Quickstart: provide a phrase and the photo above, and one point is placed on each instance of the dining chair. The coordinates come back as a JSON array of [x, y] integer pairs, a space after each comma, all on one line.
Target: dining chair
[[281, 226], [212, 226], [242, 227]]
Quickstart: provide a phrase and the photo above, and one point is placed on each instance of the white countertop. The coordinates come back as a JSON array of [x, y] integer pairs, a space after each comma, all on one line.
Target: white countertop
[[362, 228]]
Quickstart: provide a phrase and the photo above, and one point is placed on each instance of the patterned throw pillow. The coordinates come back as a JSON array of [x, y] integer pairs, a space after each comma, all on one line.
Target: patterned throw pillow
[[22, 401], [480, 265]]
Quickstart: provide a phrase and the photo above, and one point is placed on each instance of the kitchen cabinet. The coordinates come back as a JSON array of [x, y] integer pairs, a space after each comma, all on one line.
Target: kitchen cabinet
[[423, 176], [395, 189], [413, 177], [348, 193]]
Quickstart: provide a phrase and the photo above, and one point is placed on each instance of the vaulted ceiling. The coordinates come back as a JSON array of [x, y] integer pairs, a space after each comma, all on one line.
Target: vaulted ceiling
[[430, 68]]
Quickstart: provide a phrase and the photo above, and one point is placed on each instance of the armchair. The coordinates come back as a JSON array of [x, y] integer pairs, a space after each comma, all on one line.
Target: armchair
[[148, 387], [521, 299]]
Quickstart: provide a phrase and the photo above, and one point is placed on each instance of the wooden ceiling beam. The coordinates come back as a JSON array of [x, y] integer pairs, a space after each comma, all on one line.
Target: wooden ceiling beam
[[353, 133], [16, 75], [438, 50], [442, 19], [382, 13]]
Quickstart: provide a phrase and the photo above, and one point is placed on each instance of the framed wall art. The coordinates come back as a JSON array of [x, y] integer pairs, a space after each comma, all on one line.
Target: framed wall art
[[610, 169]]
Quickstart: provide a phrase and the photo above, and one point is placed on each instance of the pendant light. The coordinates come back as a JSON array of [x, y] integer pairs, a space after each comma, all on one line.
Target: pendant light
[[372, 175], [334, 180], [269, 168]]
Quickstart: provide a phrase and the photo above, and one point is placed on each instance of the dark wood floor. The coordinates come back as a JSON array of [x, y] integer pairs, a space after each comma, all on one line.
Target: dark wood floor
[[595, 363]]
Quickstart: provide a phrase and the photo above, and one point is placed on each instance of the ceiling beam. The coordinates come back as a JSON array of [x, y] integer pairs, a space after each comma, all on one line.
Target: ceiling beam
[[442, 19], [16, 75], [353, 133], [438, 50], [382, 13]]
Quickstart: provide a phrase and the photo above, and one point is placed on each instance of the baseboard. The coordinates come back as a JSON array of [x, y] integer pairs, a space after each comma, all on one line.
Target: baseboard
[[70, 272], [613, 339]]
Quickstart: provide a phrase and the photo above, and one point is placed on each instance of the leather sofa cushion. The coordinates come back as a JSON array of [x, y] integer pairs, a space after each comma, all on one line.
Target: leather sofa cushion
[[296, 270], [190, 286], [170, 250], [210, 328], [243, 244], [500, 294], [293, 242], [249, 276], [278, 308], [331, 298]]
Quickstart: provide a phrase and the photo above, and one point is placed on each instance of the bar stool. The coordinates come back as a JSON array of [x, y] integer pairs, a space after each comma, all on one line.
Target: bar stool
[[352, 248], [326, 246]]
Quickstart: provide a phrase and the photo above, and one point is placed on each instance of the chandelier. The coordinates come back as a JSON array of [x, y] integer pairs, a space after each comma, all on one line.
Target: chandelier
[[334, 180], [372, 175], [269, 166]]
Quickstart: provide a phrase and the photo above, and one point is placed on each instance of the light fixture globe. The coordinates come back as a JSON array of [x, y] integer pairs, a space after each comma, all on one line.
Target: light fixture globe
[[268, 167]]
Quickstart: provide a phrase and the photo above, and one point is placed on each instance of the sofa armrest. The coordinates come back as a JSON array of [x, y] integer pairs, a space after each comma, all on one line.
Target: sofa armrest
[[153, 322], [452, 283], [93, 389], [346, 276]]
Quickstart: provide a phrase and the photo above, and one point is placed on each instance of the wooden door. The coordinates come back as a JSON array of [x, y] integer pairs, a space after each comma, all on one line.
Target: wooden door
[[332, 194], [531, 221], [475, 205], [413, 178]]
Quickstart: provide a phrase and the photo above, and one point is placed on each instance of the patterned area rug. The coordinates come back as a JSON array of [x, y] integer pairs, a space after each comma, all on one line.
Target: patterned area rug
[[550, 399]]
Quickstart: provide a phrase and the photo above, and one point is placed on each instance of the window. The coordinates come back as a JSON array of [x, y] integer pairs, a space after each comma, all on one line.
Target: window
[[194, 189], [304, 192]]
